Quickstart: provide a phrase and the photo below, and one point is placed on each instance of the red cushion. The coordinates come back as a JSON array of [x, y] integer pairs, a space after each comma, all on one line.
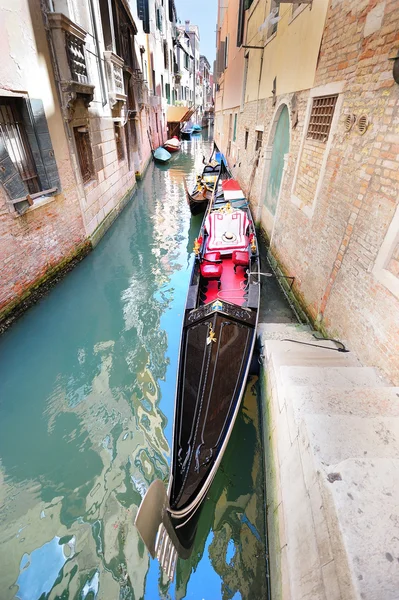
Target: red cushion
[[212, 255], [210, 271], [240, 258]]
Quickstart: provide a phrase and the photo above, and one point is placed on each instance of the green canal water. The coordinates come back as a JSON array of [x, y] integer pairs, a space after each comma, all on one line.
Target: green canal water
[[87, 380]]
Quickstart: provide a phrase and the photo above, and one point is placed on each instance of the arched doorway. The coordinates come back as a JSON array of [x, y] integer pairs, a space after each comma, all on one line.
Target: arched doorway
[[281, 145]]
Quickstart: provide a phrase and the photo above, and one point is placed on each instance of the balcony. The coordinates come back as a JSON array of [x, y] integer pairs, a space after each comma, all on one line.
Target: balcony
[[69, 45], [114, 71]]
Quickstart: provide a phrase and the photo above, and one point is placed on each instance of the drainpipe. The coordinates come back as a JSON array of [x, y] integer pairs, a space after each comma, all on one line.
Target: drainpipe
[[100, 70]]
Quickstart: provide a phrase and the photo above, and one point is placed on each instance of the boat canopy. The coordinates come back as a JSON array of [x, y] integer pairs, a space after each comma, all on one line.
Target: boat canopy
[[181, 114]]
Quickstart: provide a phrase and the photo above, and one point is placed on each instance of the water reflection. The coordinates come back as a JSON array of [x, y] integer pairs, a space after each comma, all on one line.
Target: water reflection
[[86, 408]]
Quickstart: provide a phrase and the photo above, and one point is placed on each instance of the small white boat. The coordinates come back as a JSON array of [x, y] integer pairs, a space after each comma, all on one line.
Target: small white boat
[[172, 145]]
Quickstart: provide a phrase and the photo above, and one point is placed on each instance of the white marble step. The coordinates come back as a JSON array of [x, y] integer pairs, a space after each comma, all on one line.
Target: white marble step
[[285, 353], [351, 401], [329, 376]]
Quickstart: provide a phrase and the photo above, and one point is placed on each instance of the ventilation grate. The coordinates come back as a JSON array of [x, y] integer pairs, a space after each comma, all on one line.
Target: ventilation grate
[[362, 124], [349, 122]]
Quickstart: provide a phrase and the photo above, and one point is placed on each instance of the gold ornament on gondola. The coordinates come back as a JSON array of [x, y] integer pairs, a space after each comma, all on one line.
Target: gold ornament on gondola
[[211, 337], [197, 246]]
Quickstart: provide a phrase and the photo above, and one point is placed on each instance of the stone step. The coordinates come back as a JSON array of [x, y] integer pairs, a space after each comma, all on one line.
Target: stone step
[[351, 401], [284, 353], [330, 377], [278, 331]]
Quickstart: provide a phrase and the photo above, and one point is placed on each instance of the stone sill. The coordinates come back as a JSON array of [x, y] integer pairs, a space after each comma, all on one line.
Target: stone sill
[[38, 203]]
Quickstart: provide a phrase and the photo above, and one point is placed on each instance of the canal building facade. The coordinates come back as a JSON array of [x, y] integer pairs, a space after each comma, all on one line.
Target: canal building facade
[[306, 112], [80, 112]]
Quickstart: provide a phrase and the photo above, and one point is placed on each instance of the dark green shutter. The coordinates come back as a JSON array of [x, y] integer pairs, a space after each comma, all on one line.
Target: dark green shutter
[[48, 174], [241, 21], [144, 14]]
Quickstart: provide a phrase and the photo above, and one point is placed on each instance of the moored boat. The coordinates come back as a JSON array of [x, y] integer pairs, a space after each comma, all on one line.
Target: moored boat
[[186, 131], [216, 347], [213, 172], [161, 155], [172, 145]]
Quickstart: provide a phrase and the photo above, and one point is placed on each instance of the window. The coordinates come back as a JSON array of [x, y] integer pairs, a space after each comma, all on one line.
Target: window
[[259, 139], [165, 55], [143, 14], [186, 60], [235, 128], [273, 15], [27, 162], [321, 117], [85, 156], [167, 92], [162, 93], [226, 51], [119, 135], [106, 24], [246, 139], [14, 137], [158, 18]]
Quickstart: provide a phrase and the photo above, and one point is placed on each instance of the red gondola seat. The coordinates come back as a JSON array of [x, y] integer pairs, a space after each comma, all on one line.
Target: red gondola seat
[[240, 259], [211, 267]]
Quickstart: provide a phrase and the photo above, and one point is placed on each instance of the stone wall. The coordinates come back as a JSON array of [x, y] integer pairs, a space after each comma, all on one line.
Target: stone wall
[[339, 236]]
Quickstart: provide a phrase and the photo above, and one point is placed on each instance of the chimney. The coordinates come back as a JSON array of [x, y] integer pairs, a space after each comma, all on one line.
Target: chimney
[[187, 28]]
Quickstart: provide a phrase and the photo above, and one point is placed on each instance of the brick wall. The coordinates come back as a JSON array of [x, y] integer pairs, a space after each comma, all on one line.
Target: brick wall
[[32, 244], [309, 170], [332, 250]]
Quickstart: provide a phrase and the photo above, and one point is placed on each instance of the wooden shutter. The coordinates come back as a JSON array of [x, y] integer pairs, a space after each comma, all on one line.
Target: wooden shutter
[[40, 138], [144, 14], [241, 21]]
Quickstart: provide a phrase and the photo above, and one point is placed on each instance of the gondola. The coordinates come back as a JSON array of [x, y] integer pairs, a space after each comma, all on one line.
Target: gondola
[[213, 172], [216, 347]]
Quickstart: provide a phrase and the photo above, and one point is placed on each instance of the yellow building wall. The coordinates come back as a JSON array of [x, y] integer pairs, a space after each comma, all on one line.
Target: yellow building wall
[[232, 79], [290, 55]]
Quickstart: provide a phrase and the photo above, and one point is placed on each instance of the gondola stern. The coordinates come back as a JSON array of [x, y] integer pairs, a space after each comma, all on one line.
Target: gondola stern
[[151, 514], [156, 529]]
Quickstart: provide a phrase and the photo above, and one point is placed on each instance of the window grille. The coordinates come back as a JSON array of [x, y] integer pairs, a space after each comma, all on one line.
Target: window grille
[[259, 139], [321, 117], [85, 156], [14, 137]]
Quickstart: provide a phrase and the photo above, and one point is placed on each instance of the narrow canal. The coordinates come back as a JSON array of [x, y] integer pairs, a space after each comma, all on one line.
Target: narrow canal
[[86, 408]]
